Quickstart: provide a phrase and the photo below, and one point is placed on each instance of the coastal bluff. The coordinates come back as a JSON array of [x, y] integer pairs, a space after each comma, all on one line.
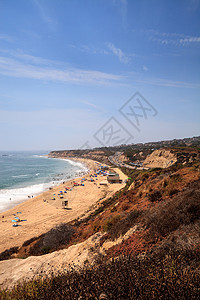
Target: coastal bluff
[[100, 155], [160, 159]]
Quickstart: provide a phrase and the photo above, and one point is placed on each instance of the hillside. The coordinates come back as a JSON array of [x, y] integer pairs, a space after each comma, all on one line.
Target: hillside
[[135, 154], [143, 242]]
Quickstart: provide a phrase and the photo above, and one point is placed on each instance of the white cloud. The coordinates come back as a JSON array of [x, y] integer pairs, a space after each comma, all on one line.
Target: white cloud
[[38, 68], [119, 53], [32, 67], [190, 40], [166, 38]]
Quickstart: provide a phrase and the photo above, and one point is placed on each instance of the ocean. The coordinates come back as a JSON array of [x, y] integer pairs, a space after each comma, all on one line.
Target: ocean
[[27, 174]]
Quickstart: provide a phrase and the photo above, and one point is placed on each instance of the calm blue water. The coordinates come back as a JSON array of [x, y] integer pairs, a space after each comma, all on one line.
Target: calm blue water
[[24, 174]]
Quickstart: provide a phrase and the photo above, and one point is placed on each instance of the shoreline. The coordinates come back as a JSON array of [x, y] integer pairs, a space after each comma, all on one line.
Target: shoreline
[[41, 213], [39, 188]]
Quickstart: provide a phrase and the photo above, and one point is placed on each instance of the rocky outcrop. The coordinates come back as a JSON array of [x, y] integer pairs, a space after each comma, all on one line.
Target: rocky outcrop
[[160, 159]]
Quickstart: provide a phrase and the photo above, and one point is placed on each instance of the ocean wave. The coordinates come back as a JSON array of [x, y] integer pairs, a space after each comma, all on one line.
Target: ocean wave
[[11, 197], [77, 164], [20, 176], [39, 182], [42, 156]]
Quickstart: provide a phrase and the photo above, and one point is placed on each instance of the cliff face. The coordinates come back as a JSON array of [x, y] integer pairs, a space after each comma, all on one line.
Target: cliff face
[[96, 155], [160, 159]]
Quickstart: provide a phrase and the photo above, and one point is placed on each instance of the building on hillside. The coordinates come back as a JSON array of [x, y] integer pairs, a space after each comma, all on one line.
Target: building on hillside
[[113, 178]]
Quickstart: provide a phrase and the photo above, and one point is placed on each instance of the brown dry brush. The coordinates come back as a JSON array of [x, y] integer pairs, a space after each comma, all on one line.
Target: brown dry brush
[[56, 237], [184, 209], [8, 253], [124, 278]]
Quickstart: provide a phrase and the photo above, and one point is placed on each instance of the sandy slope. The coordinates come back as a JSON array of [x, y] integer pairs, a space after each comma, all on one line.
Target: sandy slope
[[14, 270]]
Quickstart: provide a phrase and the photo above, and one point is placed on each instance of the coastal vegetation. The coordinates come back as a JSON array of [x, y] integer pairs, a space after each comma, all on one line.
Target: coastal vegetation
[[124, 278], [152, 227]]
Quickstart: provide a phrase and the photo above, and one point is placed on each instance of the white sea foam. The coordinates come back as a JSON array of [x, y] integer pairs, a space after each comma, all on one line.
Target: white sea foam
[[11, 197], [18, 195], [77, 164], [20, 176], [42, 156]]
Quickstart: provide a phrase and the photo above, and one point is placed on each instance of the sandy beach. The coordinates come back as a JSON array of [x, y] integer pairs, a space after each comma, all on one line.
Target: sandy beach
[[39, 214]]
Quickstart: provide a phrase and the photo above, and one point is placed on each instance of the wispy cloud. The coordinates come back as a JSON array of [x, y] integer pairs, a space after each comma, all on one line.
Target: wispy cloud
[[31, 34], [32, 67], [37, 68], [122, 6], [6, 37], [89, 49], [189, 40], [168, 83], [44, 14], [119, 53], [27, 58], [92, 105], [166, 38]]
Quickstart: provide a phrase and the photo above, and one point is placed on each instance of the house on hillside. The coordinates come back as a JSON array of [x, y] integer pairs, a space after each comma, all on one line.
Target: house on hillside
[[113, 177]]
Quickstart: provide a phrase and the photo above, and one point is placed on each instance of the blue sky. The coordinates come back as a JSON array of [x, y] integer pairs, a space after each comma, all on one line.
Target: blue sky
[[67, 67]]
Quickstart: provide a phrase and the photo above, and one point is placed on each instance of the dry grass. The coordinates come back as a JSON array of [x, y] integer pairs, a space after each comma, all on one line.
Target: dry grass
[[125, 278]]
